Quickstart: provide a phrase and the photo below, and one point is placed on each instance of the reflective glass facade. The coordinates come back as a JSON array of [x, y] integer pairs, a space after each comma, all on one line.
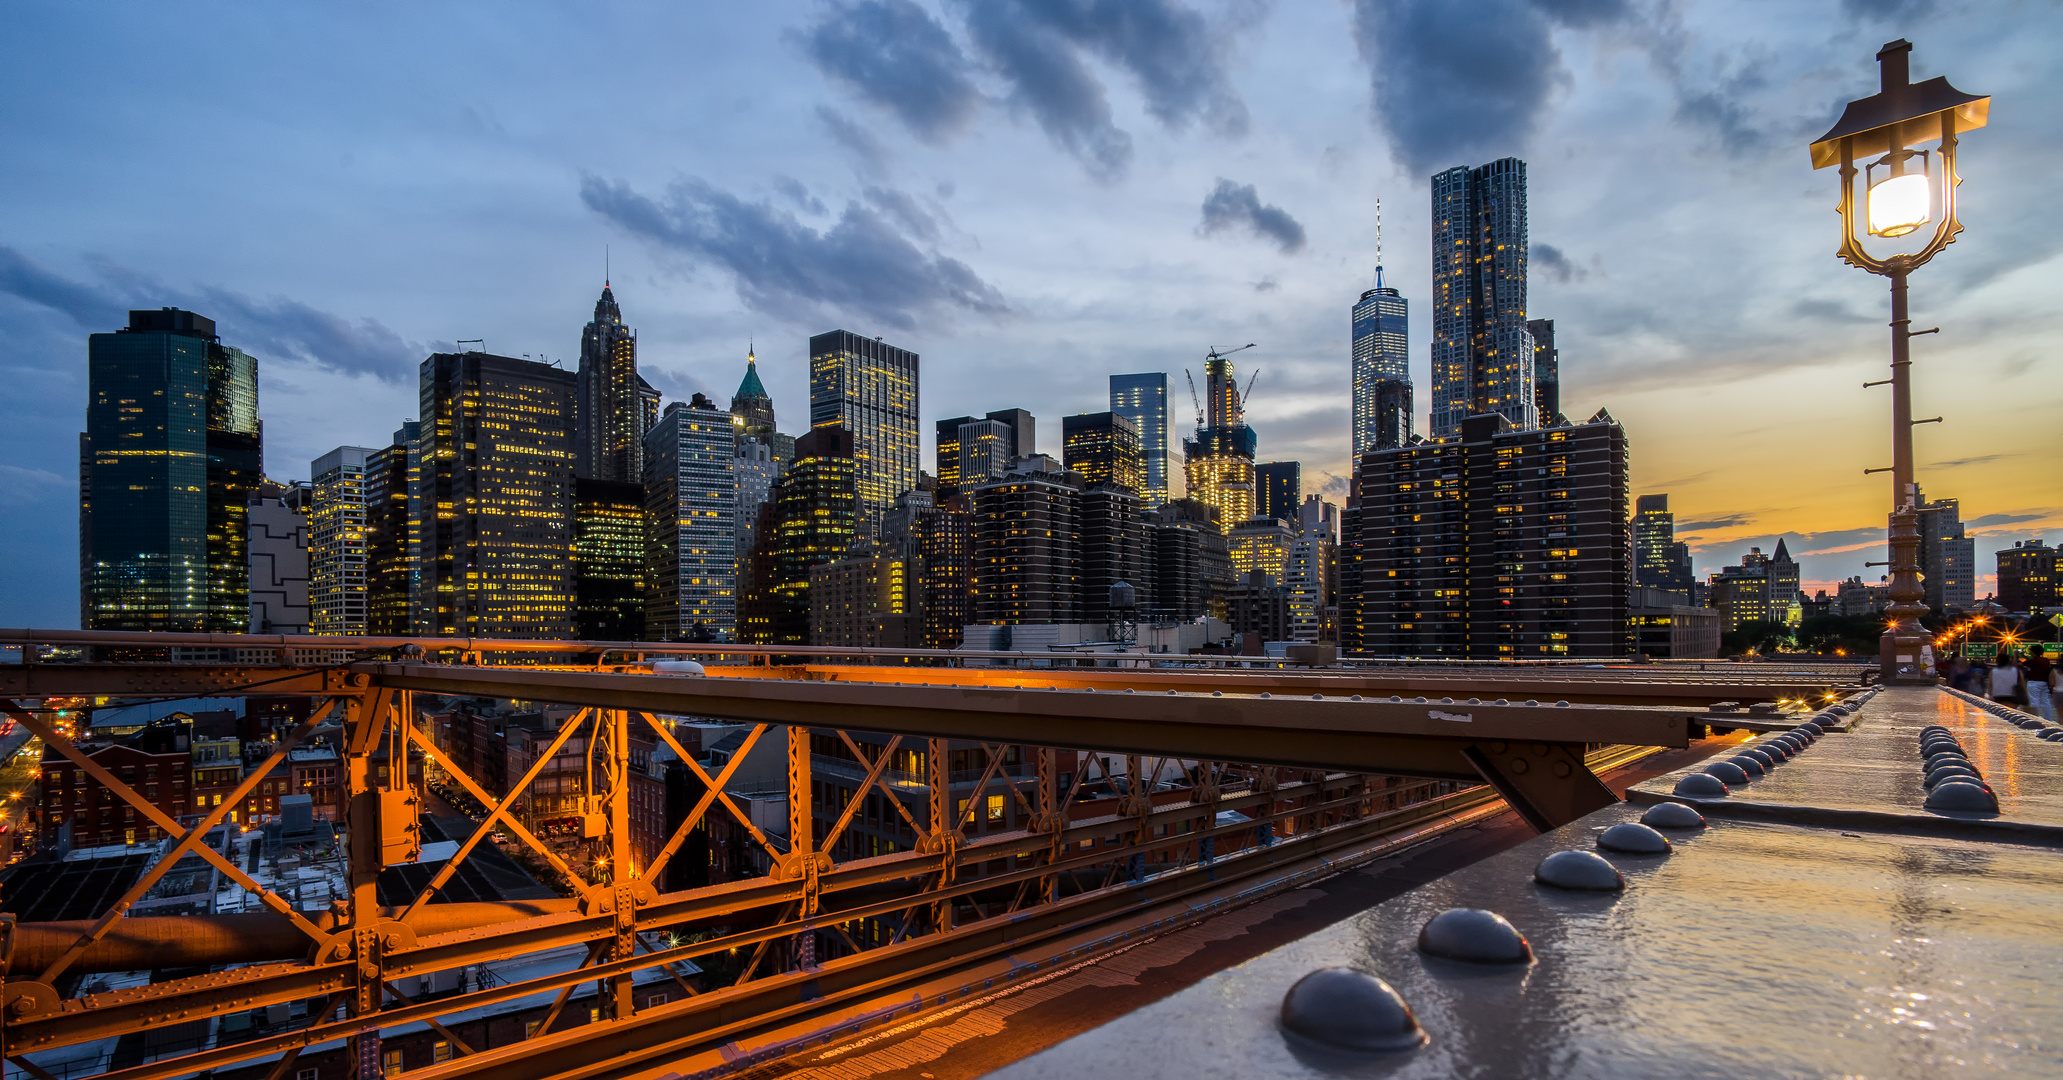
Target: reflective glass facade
[[1105, 448], [1381, 355], [171, 458], [1142, 398], [869, 389], [391, 548]]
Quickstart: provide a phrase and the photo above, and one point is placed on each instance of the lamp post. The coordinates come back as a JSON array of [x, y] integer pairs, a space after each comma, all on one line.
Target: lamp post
[[1916, 187]]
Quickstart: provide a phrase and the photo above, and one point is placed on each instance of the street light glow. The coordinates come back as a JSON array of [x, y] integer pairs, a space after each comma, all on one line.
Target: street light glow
[[1900, 204]]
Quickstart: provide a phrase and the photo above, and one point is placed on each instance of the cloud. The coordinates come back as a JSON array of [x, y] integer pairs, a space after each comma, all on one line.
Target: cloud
[[799, 195], [1886, 10], [1052, 84], [869, 157], [1458, 83], [26, 279], [904, 211], [1730, 521], [894, 55], [1231, 205], [2003, 519], [863, 265], [1981, 459], [272, 328], [1551, 263]]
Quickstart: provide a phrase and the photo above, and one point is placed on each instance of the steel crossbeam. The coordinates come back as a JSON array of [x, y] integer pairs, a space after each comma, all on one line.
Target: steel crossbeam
[[1308, 742]]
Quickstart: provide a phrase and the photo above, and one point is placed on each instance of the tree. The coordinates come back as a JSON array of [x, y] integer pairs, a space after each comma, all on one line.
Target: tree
[[1760, 635], [1854, 634]]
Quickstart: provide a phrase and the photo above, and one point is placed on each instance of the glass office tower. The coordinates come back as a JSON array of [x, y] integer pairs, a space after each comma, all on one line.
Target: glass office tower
[[1143, 399], [170, 458], [1381, 351], [1104, 448], [870, 389], [691, 504]]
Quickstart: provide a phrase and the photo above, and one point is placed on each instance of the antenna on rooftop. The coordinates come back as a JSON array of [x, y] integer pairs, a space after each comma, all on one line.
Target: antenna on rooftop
[[1378, 241]]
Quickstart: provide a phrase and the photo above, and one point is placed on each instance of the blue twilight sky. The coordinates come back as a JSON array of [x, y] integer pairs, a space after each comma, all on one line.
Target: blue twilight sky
[[1032, 194]]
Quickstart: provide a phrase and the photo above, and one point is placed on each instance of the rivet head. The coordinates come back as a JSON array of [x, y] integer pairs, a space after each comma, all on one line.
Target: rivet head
[[1633, 838], [1938, 777], [1767, 759], [1727, 773], [1701, 786], [1751, 765], [1961, 795], [1582, 870], [1344, 1009], [1672, 815], [1474, 936]]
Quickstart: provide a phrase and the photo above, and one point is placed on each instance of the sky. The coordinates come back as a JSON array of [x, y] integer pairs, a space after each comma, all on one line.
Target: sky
[[1034, 194]]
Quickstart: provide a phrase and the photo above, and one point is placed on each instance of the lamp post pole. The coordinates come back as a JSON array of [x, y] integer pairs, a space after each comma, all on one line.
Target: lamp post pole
[[1903, 645], [1901, 115]]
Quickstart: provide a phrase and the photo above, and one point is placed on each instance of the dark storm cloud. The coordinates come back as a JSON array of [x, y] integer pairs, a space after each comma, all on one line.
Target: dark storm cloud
[[1552, 263], [26, 279], [275, 328], [1456, 83], [1053, 84], [1176, 57], [1877, 10], [893, 54], [862, 265], [1230, 206], [1583, 14]]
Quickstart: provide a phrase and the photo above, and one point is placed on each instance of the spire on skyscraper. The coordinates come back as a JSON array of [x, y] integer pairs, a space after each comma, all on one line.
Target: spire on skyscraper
[[751, 404]]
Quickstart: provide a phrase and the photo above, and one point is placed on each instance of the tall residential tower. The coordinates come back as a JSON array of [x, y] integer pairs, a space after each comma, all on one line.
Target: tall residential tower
[[1482, 355], [1142, 398], [616, 405]]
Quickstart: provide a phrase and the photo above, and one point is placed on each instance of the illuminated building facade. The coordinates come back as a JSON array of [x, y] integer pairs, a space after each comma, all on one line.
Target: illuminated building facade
[[1381, 366], [1219, 462], [392, 552], [1761, 588], [1311, 575], [1027, 544], [869, 599], [170, 460], [1142, 398], [337, 554], [1660, 561], [1948, 555], [1105, 448], [1279, 490], [752, 406], [494, 511], [1482, 355], [971, 449], [811, 520], [691, 502], [1501, 544], [615, 405], [1261, 544], [869, 389], [608, 560], [2030, 576]]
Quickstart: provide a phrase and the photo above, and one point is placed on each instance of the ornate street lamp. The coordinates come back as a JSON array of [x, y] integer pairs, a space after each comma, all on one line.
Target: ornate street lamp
[[1904, 190]]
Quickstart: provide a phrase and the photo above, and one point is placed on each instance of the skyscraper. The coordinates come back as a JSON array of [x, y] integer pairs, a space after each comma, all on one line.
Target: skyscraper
[[1104, 447], [1500, 544], [1279, 491], [810, 521], [972, 449], [609, 560], [1218, 463], [392, 553], [1482, 355], [869, 389], [1027, 545], [1381, 363], [1660, 561], [691, 503], [1142, 398], [337, 557], [1948, 555], [615, 405], [1547, 370], [751, 405], [170, 460], [494, 513]]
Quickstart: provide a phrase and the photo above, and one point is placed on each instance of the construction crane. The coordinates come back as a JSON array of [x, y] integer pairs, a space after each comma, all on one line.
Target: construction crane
[[1214, 354]]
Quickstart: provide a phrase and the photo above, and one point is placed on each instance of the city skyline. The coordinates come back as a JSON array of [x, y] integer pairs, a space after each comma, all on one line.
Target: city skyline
[[323, 335]]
